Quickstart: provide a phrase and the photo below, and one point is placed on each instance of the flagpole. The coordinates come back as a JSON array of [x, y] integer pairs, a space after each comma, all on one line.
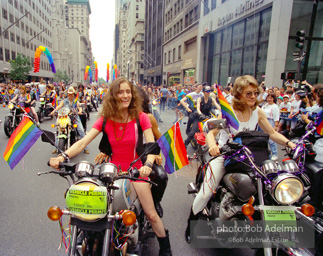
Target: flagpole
[[175, 145]]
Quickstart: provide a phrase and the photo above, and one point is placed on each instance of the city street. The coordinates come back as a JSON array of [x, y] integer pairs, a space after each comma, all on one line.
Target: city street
[[26, 197]]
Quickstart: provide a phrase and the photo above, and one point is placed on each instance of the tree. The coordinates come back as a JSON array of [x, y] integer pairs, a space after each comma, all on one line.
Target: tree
[[101, 81], [20, 68], [59, 76]]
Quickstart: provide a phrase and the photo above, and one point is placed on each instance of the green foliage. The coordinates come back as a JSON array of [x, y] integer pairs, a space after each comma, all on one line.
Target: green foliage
[[101, 81], [60, 76], [20, 68]]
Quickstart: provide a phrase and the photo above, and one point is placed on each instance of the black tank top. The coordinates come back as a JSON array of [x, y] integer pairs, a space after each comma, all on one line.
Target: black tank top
[[206, 107]]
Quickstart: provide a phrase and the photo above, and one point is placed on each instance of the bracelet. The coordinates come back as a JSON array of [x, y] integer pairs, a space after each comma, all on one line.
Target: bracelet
[[148, 164], [287, 143], [64, 155]]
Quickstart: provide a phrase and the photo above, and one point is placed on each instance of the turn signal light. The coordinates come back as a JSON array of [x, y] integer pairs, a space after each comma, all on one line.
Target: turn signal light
[[75, 125], [308, 210], [4, 105], [52, 125], [54, 213], [129, 218], [248, 210], [251, 200]]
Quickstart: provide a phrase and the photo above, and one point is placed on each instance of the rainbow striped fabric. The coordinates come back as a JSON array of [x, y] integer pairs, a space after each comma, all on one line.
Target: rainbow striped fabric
[[319, 123], [22, 139], [227, 111], [75, 100], [55, 101], [173, 148]]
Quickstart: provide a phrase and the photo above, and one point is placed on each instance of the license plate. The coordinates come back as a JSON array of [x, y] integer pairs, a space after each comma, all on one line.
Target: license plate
[[279, 213]]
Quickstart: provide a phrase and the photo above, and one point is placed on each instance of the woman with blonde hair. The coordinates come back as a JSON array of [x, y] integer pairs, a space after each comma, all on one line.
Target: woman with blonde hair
[[245, 106], [121, 110]]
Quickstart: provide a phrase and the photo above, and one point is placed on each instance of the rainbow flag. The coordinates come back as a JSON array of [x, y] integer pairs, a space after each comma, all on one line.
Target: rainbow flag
[[55, 101], [173, 148], [75, 100], [21, 140], [319, 123], [227, 111], [191, 102], [201, 124]]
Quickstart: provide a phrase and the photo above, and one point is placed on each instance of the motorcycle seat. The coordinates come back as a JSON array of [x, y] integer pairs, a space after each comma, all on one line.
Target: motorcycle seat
[[314, 166]]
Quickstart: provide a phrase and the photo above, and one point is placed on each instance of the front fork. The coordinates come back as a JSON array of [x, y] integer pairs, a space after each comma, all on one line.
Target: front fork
[[267, 251], [74, 240]]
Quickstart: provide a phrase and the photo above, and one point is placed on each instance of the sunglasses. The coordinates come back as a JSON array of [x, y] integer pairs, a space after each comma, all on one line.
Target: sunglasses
[[250, 94]]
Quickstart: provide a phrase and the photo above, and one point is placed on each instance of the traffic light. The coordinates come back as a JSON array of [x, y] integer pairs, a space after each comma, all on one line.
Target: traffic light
[[300, 38], [291, 75]]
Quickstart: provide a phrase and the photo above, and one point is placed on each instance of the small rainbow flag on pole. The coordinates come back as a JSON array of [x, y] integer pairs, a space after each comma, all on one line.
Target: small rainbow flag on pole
[[75, 100], [55, 101], [22, 139], [173, 148], [227, 111]]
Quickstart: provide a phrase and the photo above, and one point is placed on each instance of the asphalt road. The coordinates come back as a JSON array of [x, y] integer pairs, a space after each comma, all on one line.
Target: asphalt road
[[26, 197]]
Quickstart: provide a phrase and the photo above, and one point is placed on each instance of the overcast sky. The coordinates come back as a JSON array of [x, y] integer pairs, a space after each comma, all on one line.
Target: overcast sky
[[101, 33]]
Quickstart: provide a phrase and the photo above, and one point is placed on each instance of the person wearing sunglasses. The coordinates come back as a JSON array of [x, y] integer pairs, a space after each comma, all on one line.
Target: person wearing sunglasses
[[245, 107]]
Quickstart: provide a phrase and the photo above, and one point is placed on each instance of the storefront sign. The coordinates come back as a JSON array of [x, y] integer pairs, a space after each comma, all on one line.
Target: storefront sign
[[189, 80], [241, 9], [188, 61]]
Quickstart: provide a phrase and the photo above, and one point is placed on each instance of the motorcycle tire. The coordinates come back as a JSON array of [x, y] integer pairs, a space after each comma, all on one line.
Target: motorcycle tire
[[61, 144], [40, 115], [7, 126]]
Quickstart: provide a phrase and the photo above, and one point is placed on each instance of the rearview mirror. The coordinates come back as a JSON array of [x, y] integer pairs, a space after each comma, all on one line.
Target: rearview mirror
[[217, 124], [48, 137]]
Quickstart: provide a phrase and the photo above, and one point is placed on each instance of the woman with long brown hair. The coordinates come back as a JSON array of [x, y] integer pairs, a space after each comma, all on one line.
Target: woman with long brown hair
[[121, 110]]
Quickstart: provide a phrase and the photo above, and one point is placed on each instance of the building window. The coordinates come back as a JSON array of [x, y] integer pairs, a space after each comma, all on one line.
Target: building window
[[7, 54], [168, 56], [18, 40], [173, 54], [165, 58], [13, 55], [4, 14], [12, 37], [213, 4], [206, 7], [240, 48], [137, 15], [179, 52], [1, 53]]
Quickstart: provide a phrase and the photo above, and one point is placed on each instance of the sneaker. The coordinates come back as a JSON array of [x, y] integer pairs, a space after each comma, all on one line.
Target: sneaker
[[274, 158], [86, 151], [54, 151]]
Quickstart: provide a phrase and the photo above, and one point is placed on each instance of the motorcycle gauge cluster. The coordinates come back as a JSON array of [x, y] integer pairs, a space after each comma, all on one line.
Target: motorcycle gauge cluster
[[84, 169], [269, 166], [108, 172], [290, 166]]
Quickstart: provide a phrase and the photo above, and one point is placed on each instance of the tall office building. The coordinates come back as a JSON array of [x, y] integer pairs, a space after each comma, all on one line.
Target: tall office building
[[153, 50], [77, 19], [238, 37], [180, 41], [122, 50], [135, 40], [24, 26]]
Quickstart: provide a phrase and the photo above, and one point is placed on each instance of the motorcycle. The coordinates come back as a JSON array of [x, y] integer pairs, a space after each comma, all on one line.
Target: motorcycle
[[105, 215], [45, 108], [66, 133], [12, 120], [248, 192]]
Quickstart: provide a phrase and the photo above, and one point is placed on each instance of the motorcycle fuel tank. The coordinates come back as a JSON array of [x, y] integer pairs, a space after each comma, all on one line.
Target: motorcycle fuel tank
[[240, 185], [124, 197]]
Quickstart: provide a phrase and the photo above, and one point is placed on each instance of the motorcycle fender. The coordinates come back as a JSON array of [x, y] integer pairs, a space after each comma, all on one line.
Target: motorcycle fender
[[240, 185], [64, 136]]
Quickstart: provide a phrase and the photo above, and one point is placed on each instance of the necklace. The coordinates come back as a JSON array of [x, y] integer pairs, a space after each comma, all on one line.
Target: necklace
[[121, 128]]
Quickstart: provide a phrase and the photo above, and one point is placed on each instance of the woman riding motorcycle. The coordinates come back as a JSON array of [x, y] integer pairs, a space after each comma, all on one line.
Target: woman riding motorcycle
[[70, 101], [249, 115], [121, 110]]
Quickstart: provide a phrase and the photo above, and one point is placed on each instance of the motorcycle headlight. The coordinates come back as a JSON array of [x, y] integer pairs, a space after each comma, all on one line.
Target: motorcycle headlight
[[42, 99], [63, 122], [287, 188], [88, 98], [10, 106]]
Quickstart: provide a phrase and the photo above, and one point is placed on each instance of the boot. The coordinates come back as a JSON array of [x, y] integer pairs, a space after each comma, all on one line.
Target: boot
[[188, 228], [164, 245]]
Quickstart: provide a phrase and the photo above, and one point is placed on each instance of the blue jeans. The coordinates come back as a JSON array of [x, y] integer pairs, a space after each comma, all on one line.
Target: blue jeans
[[272, 144]]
